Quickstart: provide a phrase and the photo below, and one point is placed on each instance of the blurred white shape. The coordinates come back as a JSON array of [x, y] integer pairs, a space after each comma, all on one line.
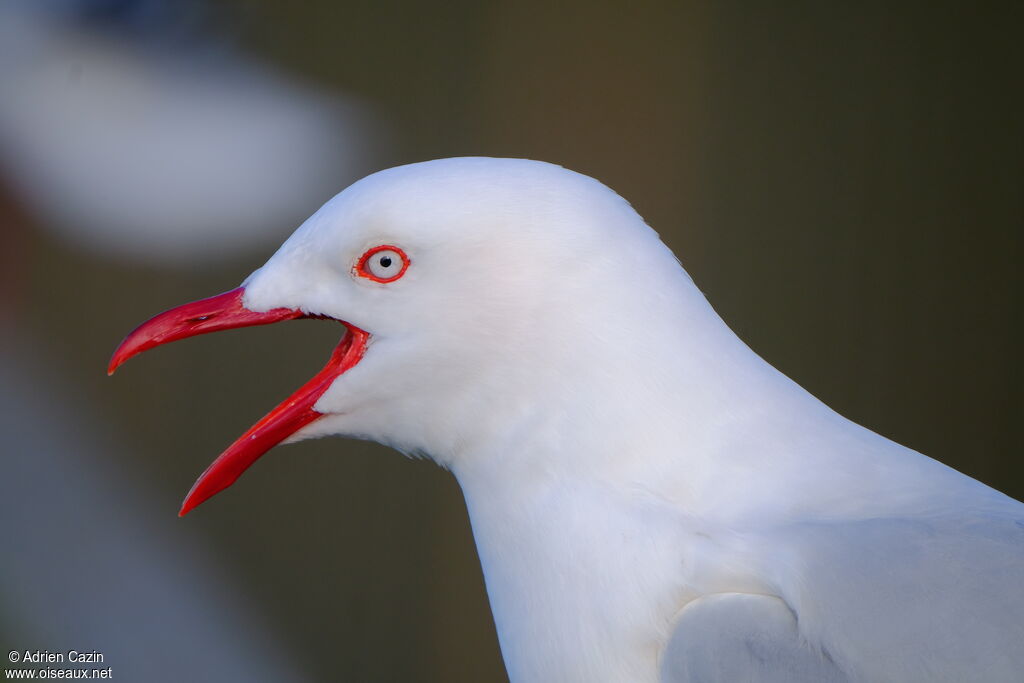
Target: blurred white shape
[[161, 156]]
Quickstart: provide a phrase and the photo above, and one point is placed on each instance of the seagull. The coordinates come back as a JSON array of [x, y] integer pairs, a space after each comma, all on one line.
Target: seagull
[[651, 500]]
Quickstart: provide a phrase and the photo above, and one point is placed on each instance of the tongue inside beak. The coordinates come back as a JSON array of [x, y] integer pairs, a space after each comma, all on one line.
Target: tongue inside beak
[[223, 312]]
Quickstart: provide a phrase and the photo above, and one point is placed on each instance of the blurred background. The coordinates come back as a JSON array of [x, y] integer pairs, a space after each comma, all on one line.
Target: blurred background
[[843, 181]]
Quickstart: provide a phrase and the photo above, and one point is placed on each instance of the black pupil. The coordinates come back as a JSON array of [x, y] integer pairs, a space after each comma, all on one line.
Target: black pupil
[[385, 261]]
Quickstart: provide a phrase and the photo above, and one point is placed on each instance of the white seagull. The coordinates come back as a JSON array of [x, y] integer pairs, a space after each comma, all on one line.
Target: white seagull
[[651, 500]]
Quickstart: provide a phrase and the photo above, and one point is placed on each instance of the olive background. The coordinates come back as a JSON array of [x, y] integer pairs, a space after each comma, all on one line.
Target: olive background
[[843, 181]]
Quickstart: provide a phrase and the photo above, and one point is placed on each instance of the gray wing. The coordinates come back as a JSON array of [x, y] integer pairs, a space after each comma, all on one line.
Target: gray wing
[[936, 598], [932, 598], [742, 638]]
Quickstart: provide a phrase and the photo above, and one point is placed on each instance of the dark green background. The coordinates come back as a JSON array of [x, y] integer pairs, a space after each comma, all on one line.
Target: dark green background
[[843, 181]]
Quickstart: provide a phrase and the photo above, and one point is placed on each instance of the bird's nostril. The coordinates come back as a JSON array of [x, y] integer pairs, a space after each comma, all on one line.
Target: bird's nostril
[[200, 318]]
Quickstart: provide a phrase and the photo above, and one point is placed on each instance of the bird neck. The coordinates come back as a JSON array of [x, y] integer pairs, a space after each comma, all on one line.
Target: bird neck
[[595, 489], [648, 397]]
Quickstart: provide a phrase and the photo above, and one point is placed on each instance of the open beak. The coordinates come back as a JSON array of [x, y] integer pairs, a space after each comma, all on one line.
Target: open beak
[[224, 312]]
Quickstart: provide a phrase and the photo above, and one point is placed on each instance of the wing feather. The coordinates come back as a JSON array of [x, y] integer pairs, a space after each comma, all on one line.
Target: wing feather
[[743, 638]]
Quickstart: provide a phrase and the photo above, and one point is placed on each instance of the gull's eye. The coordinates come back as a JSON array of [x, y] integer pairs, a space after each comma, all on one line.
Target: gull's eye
[[383, 264]]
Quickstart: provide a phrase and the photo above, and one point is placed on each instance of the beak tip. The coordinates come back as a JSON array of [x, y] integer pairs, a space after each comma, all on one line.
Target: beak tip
[[121, 354], [187, 506], [194, 499]]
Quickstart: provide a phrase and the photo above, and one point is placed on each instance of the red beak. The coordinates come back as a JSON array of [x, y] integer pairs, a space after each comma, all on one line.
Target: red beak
[[225, 312]]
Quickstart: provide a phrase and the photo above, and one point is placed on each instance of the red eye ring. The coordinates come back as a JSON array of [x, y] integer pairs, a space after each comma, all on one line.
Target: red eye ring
[[362, 270]]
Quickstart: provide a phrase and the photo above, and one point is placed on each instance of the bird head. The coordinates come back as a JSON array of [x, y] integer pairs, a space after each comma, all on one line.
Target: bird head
[[465, 287]]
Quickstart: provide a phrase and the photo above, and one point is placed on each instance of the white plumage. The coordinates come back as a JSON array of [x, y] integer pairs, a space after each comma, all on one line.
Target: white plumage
[[650, 499]]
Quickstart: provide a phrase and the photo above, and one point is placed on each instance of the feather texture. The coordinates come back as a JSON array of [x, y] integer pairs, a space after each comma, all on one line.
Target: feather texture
[[651, 500]]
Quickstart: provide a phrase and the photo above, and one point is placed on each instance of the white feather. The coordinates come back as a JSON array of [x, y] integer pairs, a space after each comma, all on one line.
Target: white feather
[[626, 458]]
